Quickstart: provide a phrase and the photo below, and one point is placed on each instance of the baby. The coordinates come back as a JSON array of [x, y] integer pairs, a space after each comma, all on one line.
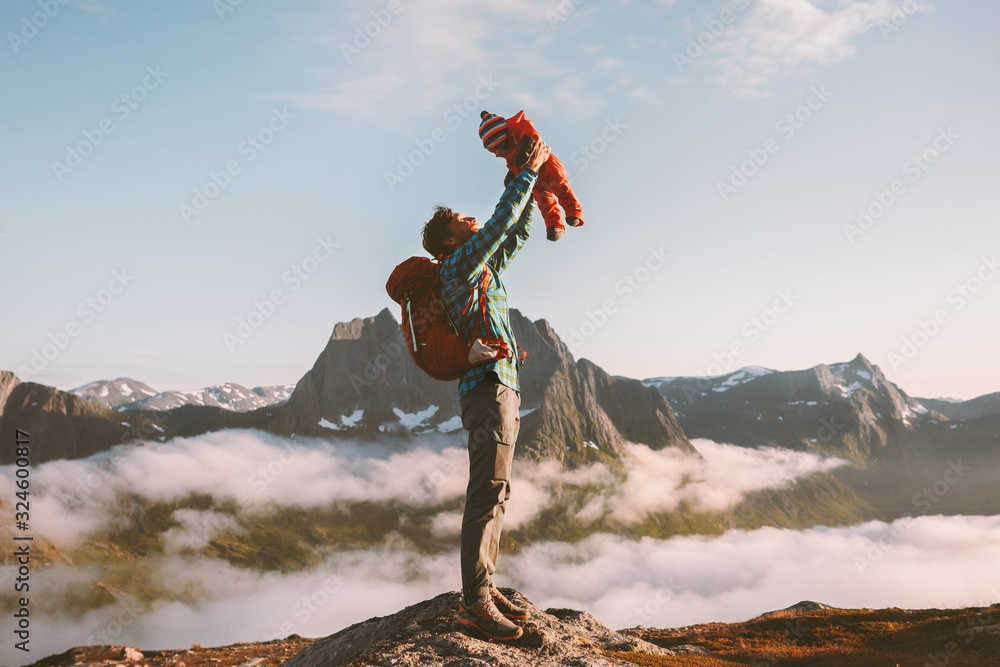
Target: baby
[[514, 140]]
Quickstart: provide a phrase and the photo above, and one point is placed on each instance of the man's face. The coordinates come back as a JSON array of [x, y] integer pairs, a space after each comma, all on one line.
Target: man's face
[[461, 230], [500, 150]]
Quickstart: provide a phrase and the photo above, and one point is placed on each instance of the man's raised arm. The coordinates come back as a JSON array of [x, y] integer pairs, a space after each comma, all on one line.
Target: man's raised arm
[[512, 242], [464, 264]]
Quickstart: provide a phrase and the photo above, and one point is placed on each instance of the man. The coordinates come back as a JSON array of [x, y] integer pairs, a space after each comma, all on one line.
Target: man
[[472, 260]]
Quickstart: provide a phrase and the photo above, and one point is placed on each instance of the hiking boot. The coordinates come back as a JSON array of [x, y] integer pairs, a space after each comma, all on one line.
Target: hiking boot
[[506, 607], [574, 222], [554, 233], [487, 619]]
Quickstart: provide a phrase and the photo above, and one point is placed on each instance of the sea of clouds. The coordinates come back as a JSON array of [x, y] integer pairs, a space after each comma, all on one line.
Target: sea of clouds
[[259, 471], [930, 561]]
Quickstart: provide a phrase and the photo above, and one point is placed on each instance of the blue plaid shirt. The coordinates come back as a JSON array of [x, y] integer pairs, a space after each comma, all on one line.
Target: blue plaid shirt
[[495, 244]]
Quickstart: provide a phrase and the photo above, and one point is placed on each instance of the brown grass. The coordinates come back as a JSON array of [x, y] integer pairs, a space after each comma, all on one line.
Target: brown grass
[[839, 638]]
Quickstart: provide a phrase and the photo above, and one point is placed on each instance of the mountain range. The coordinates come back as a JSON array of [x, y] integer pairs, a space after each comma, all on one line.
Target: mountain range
[[127, 394], [850, 410], [365, 385]]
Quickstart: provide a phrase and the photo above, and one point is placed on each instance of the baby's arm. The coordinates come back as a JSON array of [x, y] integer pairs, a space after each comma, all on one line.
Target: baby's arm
[[522, 137]]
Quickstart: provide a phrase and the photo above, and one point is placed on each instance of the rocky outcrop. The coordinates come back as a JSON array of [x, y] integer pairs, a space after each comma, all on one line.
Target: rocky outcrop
[[426, 634], [8, 381], [583, 413], [366, 382], [247, 654], [365, 367], [801, 631], [850, 409], [62, 425]]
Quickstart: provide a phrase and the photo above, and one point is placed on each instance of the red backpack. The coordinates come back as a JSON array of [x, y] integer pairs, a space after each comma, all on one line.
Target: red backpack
[[431, 336]]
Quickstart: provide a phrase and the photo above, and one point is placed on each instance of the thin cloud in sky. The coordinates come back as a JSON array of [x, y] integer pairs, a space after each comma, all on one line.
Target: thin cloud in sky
[[96, 7], [778, 36], [426, 54], [605, 64]]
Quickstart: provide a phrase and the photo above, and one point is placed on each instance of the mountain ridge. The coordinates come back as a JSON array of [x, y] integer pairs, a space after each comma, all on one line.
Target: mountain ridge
[[126, 394], [364, 384], [849, 409], [364, 381]]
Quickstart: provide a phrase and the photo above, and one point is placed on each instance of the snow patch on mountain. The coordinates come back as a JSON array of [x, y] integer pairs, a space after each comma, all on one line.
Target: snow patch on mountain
[[729, 380], [850, 389], [415, 419], [452, 424]]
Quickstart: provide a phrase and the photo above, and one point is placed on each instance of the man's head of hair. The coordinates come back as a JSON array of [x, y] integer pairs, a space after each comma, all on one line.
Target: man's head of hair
[[437, 229]]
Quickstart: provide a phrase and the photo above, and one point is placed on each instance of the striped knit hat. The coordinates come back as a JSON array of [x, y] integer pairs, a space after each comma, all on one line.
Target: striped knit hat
[[492, 130]]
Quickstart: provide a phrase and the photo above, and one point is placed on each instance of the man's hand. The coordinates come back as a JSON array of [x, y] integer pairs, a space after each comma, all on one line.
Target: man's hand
[[480, 352], [539, 157]]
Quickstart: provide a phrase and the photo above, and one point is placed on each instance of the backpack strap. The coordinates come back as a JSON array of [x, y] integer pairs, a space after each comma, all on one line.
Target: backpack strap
[[481, 286], [409, 318]]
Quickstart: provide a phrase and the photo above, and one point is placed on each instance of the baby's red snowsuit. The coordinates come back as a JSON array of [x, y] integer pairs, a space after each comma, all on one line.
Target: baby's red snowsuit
[[552, 184]]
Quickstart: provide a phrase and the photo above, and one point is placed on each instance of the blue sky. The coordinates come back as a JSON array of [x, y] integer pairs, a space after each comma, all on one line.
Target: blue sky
[[764, 182]]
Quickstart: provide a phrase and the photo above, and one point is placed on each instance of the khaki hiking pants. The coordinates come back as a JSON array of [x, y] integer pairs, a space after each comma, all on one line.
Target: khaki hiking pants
[[490, 415]]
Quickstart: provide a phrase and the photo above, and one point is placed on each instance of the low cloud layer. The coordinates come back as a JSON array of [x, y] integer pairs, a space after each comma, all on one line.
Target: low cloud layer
[[923, 562], [913, 563], [659, 480], [931, 561], [258, 471]]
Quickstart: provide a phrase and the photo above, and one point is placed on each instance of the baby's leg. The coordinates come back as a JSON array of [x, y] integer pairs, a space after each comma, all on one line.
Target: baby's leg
[[553, 174], [549, 207]]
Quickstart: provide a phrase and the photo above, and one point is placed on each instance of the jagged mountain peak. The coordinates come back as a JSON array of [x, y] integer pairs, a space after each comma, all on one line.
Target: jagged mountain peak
[[860, 368], [548, 334], [354, 329], [848, 409], [862, 361], [365, 381]]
